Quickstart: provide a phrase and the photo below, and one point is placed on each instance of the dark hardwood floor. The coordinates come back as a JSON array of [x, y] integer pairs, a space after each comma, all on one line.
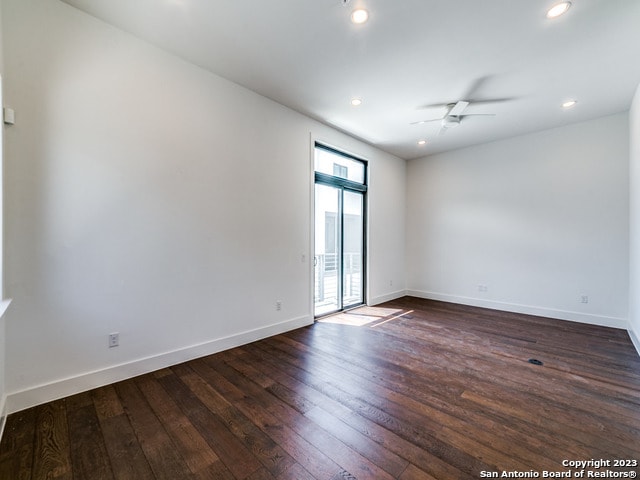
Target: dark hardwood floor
[[411, 389]]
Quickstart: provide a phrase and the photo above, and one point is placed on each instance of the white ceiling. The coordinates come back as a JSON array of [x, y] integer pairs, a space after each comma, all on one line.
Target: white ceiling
[[504, 56]]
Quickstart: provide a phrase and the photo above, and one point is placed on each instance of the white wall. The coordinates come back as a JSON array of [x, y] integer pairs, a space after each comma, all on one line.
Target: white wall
[[149, 197], [634, 221], [3, 304], [387, 203], [539, 220]]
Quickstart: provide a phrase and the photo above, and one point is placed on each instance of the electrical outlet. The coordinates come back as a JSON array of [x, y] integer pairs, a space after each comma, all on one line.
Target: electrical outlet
[[483, 288], [584, 299], [278, 305], [114, 339]]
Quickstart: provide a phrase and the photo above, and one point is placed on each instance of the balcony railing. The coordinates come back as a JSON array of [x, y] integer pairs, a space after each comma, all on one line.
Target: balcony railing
[[326, 278]]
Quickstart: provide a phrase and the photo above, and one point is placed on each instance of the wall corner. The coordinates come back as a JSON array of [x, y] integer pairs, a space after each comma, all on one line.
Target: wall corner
[[634, 220]]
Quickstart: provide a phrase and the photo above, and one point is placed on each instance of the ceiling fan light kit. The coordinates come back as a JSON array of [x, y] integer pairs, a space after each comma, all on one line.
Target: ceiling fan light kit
[[359, 16], [558, 9], [450, 121]]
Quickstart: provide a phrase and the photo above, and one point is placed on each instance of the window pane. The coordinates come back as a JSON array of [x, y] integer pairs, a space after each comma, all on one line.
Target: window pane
[[326, 257], [339, 166], [353, 249]]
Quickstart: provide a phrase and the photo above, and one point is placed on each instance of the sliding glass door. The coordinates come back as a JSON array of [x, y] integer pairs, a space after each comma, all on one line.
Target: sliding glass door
[[339, 257], [326, 261], [352, 248]]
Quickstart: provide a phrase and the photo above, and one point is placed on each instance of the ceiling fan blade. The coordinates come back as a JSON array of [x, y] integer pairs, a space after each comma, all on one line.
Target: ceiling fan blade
[[426, 121], [477, 115], [442, 106], [476, 86], [458, 108], [488, 101]]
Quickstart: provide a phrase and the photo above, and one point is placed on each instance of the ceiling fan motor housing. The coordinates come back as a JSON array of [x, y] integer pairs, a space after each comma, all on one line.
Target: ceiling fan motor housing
[[450, 121]]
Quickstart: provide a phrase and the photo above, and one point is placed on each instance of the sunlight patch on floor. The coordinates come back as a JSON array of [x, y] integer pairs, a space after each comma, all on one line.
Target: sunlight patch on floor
[[366, 316]]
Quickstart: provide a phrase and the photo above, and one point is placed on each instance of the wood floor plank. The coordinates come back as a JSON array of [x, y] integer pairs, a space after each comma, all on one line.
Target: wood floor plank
[[430, 452], [51, 453], [340, 453], [126, 455], [296, 472], [377, 409], [261, 474], [382, 457], [259, 407], [89, 456], [191, 445], [269, 453], [375, 431], [231, 451], [215, 471], [409, 390], [414, 473], [16, 448], [106, 402], [156, 444], [127, 459]]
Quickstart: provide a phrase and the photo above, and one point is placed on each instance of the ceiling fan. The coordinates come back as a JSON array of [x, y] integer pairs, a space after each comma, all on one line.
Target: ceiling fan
[[453, 116]]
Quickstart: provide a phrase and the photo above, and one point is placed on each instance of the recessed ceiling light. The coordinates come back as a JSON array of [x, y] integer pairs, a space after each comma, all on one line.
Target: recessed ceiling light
[[558, 9], [356, 102], [569, 104], [422, 142], [359, 15]]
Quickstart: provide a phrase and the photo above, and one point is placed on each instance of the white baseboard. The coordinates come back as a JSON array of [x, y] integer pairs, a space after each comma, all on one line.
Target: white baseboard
[[4, 304], [86, 381], [634, 339], [3, 414], [386, 297], [601, 320]]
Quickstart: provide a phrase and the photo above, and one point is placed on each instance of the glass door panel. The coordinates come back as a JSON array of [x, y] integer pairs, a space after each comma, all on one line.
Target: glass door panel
[[339, 257], [353, 248], [327, 265]]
